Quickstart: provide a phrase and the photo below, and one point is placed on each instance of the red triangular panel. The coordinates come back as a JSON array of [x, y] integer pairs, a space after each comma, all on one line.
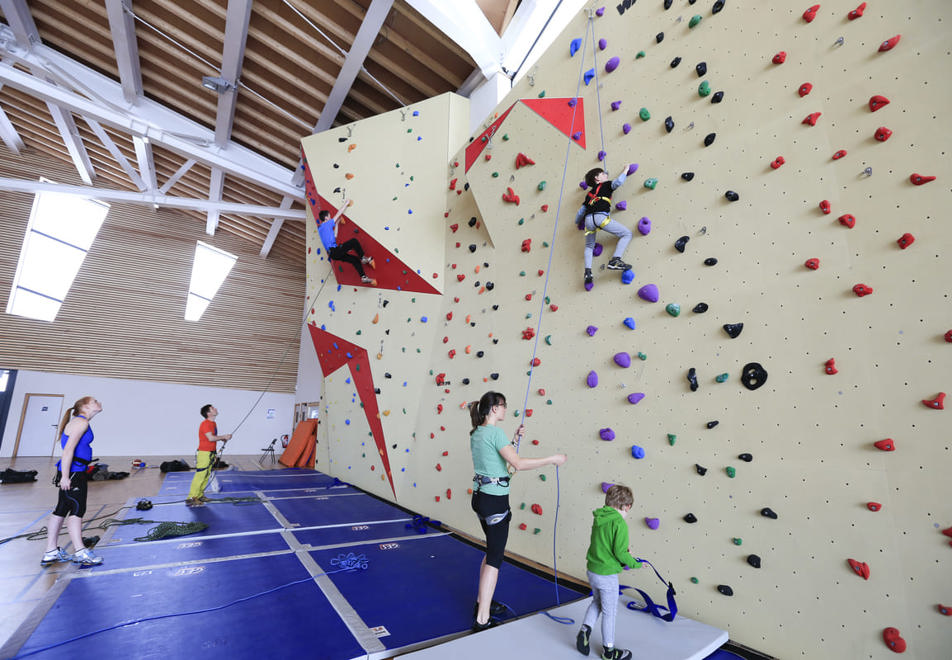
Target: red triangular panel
[[474, 148], [559, 113], [389, 271], [333, 353]]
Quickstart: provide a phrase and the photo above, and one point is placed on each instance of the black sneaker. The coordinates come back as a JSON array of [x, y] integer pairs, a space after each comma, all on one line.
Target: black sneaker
[[617, 264], [581, 641], [588, 276], [616, 654], [479, 627]]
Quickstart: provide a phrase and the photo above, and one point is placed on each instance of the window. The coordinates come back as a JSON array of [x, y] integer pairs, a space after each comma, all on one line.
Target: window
[[60, 232], [209, 270], [4, 379]]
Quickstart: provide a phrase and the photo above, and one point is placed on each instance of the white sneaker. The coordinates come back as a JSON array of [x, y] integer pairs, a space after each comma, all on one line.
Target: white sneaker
[[87, 557], [53, 556]]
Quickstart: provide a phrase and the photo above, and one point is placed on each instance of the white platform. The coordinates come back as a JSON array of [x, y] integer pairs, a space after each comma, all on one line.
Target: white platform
[[538, 636]]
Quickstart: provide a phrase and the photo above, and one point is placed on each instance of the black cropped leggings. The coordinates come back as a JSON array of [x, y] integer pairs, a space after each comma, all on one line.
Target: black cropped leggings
[[496, 535]]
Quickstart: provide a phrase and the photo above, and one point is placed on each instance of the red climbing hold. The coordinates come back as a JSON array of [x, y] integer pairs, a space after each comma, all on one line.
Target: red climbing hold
[[861, 568], [825, 206], [553, 307], [537, 509], [889, 44], [831, 367], [542, 389], [780, 57], [451, 354], [839, 154], [811, 118], [528, 333], [777, 162], [894, 640], [523, 160], [528, 296], [876, 102], [938, 403], [882, 134], [528, 412], [947, 532], [449, 316], [439, 409], [449, 494], [545, 207], [885, 445], [874, 506], [527, 245], [453, 184], [919, 179], [948, 336], [440, 379], [805, 89], [510, 197], [460, 277], [944, 610], [535, 442], [862, 290], [847, 220], [535, 362], [523, 526], [856, 13], [810, 13], [906, 240], [454, 227], [439, 468], [812, 263]]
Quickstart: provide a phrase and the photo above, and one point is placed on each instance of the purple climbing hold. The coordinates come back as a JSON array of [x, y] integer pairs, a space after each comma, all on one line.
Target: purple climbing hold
[[644, 226], [600, 12], [601, 155], [626, 128], [589, 286], [629, 323], [606, 485], [591, 330], [602, 44], [592, 379], [635, 397], [572, 102], [574, 47], [606, 434], [652, 523], [583, 185], [632, 168], [621, 206], [622, 360], [616, 105], [637, 452], [597, 250], [612, 64], [577, 136], [627, 276], [649, 292]]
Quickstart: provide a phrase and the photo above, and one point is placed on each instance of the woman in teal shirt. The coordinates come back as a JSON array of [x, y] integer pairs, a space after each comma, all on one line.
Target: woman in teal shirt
[[492, 454]]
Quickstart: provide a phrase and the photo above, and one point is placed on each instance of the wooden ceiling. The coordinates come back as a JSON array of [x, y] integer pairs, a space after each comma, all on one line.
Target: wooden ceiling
[[286, 76]]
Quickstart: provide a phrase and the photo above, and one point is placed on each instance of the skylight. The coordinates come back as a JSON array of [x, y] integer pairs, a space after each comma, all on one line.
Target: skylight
[[209, 270], [60, 232]]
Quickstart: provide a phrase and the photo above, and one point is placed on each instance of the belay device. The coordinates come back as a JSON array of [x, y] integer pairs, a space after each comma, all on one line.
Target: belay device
[[650, 605]]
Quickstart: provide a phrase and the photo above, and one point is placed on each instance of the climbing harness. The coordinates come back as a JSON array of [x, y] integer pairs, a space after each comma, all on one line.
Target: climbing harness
[[483, 480], [650, 606]]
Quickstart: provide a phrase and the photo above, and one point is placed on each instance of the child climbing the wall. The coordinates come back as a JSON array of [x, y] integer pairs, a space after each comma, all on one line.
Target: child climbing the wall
[[327, 230], [595, 214], [607, 554], [491, 452]]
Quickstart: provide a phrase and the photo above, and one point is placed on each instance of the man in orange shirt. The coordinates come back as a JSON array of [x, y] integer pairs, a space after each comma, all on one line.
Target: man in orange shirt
[[205, 457]]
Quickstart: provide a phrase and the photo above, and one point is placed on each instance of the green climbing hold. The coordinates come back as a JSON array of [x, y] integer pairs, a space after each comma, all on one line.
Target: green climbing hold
[[548, 402], [731, 472], [522, 273], [674, 309], [547, 300], [644, 114], [640, 54], [542, 477], [505, 136], [704, 88], [694, 580], [737, 541], [522, 506], [694, 21], [536, 530], [541, 185], [642, 356], [548, 340], [409, 130], [672, 438], [545, 244], [358, 332], [542, 94], [521, 221], [496, 174], [651, 183], [528, 316], [722, 378]]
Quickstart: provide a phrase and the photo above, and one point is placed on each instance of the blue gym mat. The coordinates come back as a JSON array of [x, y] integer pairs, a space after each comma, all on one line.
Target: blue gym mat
[[186, 549], [338, 534], [336, 510], [225, 518], [229, 480]]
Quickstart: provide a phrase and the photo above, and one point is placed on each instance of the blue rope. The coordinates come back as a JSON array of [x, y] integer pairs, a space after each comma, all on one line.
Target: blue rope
[[348, 562], [598, 95]]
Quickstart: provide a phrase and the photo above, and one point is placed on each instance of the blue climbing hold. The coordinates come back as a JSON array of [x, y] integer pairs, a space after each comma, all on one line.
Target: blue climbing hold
[[574, 47], [628, 276], [637, 452], [589, 75], [630, 322]]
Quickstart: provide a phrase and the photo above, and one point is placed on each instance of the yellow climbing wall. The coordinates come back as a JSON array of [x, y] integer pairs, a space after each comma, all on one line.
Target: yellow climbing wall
[[811, 435]]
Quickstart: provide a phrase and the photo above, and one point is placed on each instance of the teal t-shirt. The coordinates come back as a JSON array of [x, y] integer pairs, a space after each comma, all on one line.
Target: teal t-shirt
[[485, 443]]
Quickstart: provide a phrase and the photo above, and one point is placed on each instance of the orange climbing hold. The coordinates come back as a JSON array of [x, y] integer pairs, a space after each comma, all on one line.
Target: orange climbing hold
[[348, 176], [351, 147], [376, 318]]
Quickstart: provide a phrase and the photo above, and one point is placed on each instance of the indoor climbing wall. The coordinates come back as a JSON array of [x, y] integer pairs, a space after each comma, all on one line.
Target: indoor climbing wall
[[768, 378]]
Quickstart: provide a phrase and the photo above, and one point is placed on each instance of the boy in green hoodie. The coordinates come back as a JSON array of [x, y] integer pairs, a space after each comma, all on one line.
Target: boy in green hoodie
[[607, 555]]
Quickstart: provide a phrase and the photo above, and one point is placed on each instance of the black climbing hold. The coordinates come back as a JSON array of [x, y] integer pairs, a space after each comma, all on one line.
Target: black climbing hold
[[659, 37], [731, 196], [465, 381], [386, 302], [692, 378], [701, 68], [669, 125], [733, 329], [387, 375], [691, 2], [687, 176], [494, 376], [466, 186], [747, 458], [710, 261], [472, 324], [681, 242], [753, 375], [753, 560], [709, 139], [667, 4], [479, 353], [717, 97], [489, 286], [767, 512], [485, 264], [337, 189], [700, 308], [472, 221], [719, 5], [476, 284], [701, 470], [711, 424], [726, 590], [376, 390], [495, 307], [496, 340], [675, 62], [342, 139], [690, 518], [472, 247]]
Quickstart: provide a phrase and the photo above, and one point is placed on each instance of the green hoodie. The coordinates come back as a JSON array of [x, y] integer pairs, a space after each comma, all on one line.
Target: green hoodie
[[608, 550]]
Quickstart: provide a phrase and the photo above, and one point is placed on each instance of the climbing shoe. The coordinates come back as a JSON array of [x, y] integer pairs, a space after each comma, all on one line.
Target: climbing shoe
[[479, 627], [367, 260], [194, 501], [616, 654], [53, 556], [617, 264], [588, 276], [581, 641], [495, 609], [365, 279], [87, 557]]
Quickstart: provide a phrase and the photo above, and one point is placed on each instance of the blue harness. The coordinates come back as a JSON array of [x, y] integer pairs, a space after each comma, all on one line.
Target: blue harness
[[650, 605]]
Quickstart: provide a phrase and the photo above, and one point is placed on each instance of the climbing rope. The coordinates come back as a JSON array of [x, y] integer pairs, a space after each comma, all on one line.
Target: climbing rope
[[166, 530]]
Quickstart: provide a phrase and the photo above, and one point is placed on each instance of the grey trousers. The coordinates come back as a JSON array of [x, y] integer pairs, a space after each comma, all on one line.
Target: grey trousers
[[604, 602], [616, 228]]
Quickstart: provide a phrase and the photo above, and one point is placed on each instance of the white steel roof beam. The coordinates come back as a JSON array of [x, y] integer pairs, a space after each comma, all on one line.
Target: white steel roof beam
[[233, 54], [146, 163], [179, 173], [123, 29], [465, 23], [216, 185], [8, 133], [275, 228], [116, 154]]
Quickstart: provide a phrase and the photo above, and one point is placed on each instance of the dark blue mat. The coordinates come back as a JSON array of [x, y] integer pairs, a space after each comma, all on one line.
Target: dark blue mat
[[277, 624], [220, 518], [337, 509], [230, 480], [356, 533], [298, 492], [425, 588], [185, 548]]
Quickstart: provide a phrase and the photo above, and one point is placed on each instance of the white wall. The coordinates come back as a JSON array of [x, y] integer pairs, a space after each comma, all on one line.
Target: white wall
[[143, 418]]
